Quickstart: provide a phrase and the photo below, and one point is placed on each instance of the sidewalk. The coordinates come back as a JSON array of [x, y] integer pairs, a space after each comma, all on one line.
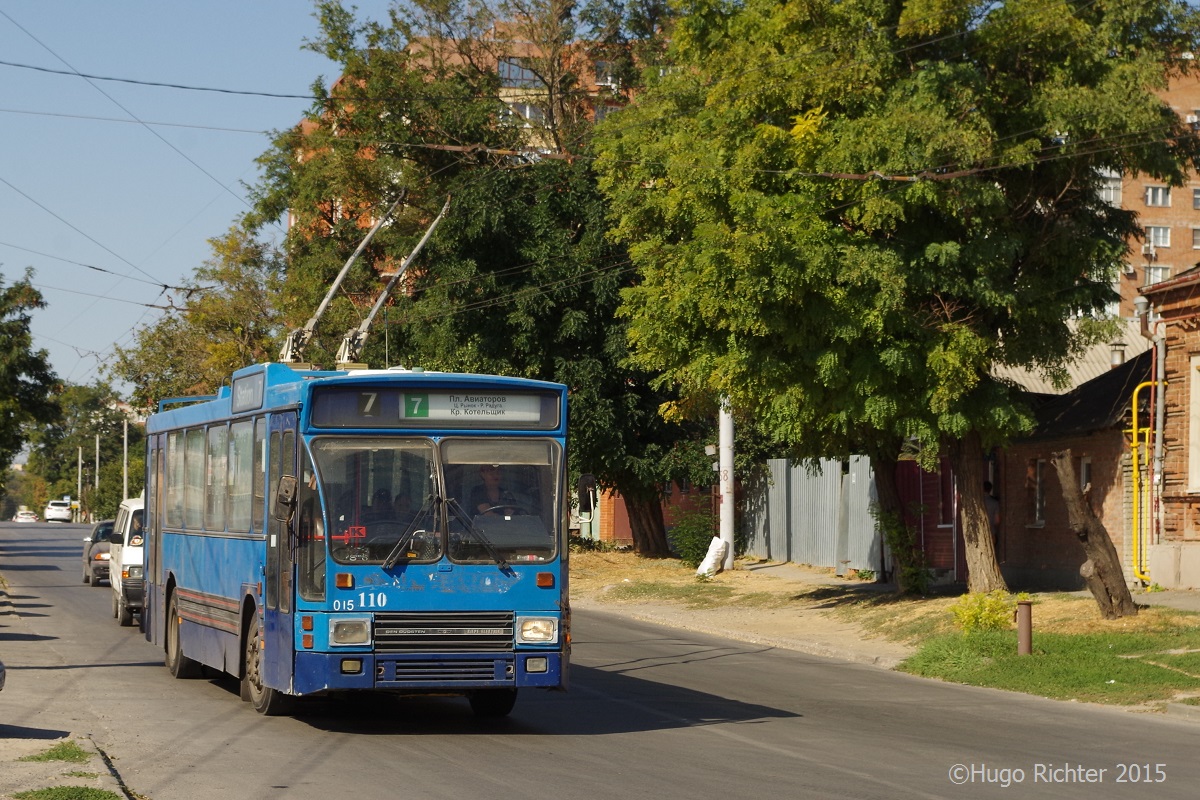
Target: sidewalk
[[808, 630], [32, 683], [17, 775]]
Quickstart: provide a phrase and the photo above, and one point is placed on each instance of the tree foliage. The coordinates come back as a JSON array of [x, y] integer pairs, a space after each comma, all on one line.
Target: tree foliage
[[27, 384], [230, 319], [64, 454], [520, 278], [846, 214]]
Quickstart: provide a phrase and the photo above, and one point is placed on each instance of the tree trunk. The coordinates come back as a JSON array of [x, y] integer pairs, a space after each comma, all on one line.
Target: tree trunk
[[647, 526], [983, 571], [1102, 570], [908, 562]]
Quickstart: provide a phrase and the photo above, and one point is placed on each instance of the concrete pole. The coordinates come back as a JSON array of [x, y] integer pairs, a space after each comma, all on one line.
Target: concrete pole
[[725, 461], [79, 479], [96, 480], [125, 468]]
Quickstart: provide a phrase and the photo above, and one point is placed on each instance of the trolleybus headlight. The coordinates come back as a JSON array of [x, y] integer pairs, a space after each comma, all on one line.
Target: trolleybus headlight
[[537, 630], [350, 630]]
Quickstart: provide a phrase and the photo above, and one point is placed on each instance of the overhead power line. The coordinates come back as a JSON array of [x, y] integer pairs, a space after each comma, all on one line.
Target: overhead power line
[[160, 84]]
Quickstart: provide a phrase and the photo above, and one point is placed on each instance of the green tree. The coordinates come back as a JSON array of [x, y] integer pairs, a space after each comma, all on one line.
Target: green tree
[[520, 278], [92, 425], [229, 320], [845, 214], [27, 384]]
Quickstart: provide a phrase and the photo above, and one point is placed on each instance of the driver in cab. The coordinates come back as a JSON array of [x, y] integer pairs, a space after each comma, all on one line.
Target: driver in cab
[[492, 497]]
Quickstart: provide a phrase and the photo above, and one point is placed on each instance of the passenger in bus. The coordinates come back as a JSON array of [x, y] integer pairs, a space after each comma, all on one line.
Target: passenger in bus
[[493, 496]]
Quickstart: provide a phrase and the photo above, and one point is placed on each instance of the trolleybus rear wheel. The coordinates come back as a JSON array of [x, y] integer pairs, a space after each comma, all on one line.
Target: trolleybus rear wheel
[[492, 702], [179, 665]]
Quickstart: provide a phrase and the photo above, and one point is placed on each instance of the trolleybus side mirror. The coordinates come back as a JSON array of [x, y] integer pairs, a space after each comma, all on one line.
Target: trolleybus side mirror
[[285, 498]]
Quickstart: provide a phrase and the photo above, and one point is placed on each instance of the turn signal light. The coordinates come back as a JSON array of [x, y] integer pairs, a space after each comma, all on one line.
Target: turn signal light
[[545, 580]]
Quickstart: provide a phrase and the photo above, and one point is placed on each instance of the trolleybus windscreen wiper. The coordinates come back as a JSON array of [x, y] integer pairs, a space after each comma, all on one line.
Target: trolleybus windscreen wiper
[[394, 555], [472, 529]]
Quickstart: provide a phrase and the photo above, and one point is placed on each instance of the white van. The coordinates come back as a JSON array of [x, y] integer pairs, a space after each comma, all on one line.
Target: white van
[[125, 562]]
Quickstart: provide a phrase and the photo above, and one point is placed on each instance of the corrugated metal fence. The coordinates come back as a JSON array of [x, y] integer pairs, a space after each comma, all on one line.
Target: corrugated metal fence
[[818, 515]]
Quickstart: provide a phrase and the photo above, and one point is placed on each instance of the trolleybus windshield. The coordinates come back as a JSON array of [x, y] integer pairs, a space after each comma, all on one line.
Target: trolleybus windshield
[[395, 500]]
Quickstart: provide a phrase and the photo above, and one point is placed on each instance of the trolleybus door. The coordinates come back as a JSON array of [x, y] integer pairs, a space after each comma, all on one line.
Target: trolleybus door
[[278, 569]]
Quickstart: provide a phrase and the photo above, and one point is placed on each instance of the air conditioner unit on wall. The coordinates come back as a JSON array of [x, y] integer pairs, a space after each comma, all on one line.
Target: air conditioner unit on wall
[[1130, 269], [1149, 251]]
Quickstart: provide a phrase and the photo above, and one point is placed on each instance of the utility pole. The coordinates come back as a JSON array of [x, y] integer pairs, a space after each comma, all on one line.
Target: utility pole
[[79, 480], [96, 481], [725, 466], [125, 467]]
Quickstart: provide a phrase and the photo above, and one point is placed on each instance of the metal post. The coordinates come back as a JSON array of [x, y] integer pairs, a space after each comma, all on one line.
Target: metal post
[[79, 480], [1024, 627], [725, 457]]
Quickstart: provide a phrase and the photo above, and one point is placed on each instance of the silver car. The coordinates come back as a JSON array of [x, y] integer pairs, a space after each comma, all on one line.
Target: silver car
[[95, 553]]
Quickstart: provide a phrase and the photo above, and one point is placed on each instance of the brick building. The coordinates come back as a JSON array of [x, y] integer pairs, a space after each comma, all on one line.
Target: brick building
[[1174, 542]]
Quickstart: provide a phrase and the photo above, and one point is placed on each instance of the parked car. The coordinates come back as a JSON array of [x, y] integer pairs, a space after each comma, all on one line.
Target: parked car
[[26, 516], [125, 562], [58, 511], [95, 553]]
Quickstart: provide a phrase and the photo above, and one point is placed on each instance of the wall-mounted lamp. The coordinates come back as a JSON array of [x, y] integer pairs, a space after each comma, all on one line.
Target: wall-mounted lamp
[[1141, 305]]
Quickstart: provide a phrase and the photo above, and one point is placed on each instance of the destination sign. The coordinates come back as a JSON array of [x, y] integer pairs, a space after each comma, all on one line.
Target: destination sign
[[248, 392], [352, 407], [461, 406]]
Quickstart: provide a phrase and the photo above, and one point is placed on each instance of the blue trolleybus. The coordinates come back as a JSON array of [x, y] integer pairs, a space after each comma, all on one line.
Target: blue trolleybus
[[322, 532]]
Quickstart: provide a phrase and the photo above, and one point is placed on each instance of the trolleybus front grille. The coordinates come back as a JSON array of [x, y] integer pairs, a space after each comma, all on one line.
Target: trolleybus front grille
[[444, 632]]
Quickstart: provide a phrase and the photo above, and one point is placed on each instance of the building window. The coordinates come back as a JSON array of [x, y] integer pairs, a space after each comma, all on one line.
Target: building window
[[604, 76], [1157, 273], [1110, 188], [1196, 238], [515, 75], [1159, 196], [601, 111], [1035, 491], [1196, 199], [1158, 235]]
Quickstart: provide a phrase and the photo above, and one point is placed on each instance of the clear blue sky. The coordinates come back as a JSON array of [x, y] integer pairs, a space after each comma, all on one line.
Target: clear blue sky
[[106, 209]]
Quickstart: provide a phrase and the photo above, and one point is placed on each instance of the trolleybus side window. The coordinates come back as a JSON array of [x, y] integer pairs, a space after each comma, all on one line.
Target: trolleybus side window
[[193, 500], [175, 479], [240, 472], [214, 478], [260, 473]]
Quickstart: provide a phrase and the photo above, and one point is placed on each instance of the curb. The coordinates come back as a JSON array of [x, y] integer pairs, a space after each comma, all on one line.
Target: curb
[[1183, 711]]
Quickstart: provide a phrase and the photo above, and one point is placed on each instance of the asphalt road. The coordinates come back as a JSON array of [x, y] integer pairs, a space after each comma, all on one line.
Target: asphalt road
[[652, 712]]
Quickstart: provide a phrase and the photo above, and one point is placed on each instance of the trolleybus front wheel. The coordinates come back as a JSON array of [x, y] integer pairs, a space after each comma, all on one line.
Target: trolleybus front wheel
[[266, 701], [492, 702]]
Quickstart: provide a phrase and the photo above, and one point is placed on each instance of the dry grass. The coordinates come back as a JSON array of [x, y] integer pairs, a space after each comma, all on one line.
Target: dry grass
[[625, 577]]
